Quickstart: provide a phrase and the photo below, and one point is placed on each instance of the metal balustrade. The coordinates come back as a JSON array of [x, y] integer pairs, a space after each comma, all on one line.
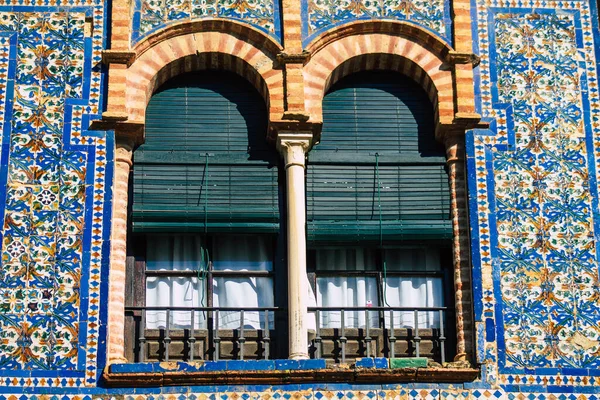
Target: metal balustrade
[[338, 334], [204, 326], [379, 332]]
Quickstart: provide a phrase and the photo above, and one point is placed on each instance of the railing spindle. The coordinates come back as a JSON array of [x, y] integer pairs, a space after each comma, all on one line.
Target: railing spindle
[[318, 335], [167, 339], [216, 338], [442, 338], [368, 336], [266, 337], [417, 337], [242, 339], [142, 338], [392, 338], [343, 338], [192, 339]]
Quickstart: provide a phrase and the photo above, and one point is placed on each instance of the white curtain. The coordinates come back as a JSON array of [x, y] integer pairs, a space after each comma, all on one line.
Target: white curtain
[[232, 253], [347, 292], [413, 292], [174, 253], [345, 259], [413, 259], [399, 291], [409, 291], [243, 253]]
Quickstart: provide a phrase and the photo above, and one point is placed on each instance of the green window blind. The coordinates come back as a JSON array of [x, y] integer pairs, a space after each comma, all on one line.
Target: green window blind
[[205, 164], [378, 170]]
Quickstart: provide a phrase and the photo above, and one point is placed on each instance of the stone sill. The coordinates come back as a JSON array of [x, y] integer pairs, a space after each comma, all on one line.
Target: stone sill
[[275, 372]]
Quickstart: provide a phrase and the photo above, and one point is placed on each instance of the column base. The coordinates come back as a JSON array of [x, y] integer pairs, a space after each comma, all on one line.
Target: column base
[[298, 356], [118, 360]]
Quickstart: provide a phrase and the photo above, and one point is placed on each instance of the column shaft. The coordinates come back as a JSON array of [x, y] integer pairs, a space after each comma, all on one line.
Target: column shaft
[[294, 147], [118, 254], [455, 153]]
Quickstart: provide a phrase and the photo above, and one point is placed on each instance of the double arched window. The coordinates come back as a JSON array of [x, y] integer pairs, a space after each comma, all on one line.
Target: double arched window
[[206, 209]]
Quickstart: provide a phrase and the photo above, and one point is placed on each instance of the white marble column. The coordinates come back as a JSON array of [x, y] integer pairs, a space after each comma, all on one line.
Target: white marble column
[[293, 147]]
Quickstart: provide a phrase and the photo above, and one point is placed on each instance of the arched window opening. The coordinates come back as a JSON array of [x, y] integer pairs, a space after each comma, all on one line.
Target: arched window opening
[[205, 225], [378, 224]]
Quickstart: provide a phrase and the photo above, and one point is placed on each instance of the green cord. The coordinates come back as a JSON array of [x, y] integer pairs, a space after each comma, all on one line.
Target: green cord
[[202, 272], [381, 230], [206, 195]]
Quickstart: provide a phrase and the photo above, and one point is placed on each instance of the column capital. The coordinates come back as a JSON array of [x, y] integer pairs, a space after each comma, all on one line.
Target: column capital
[[294, 146], [126, 131], [294, 126], [124, 152], [455, 148]]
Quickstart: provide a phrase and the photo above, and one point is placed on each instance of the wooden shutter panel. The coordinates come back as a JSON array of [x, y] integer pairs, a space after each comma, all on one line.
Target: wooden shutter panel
[[368, 120], [205, 163]]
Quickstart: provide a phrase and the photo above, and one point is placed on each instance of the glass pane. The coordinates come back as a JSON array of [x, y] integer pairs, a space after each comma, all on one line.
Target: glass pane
[[239, 293], [413, 259], [345, 259], [414, 292], [345, 291], [243, 253], [175, 253], [175, 292]]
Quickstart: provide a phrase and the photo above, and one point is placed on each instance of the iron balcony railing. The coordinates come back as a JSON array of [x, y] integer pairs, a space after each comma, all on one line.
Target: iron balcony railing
[[377, 331], [336, 334], [204, 323]]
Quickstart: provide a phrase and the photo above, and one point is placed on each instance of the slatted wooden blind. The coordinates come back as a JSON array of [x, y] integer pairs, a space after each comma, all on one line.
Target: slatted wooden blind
[[205, 164], [378, 170]]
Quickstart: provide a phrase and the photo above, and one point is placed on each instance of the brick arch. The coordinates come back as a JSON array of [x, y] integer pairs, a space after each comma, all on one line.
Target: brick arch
[[376, 51], [175, 53], [209, 61], [397, 28]]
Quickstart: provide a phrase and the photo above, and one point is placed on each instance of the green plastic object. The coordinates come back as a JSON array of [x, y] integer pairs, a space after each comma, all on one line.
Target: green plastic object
[[412, 362]]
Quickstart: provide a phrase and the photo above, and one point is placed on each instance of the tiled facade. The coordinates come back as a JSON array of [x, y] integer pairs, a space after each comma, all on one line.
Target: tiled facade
[[534, 185], [55, 199], [532, 178]]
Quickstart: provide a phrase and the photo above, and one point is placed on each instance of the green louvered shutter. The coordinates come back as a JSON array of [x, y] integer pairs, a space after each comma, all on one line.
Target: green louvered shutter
[[384, 119], [205, 163]]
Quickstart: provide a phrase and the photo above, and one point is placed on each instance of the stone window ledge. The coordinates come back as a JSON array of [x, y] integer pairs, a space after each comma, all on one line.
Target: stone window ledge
[[274, 372]]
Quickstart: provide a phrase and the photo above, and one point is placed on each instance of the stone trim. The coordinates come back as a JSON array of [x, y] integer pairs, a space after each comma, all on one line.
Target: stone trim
[[125, 130], [299, 58], [277, 377], [455, 57], [118, 57], [294, 125]]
